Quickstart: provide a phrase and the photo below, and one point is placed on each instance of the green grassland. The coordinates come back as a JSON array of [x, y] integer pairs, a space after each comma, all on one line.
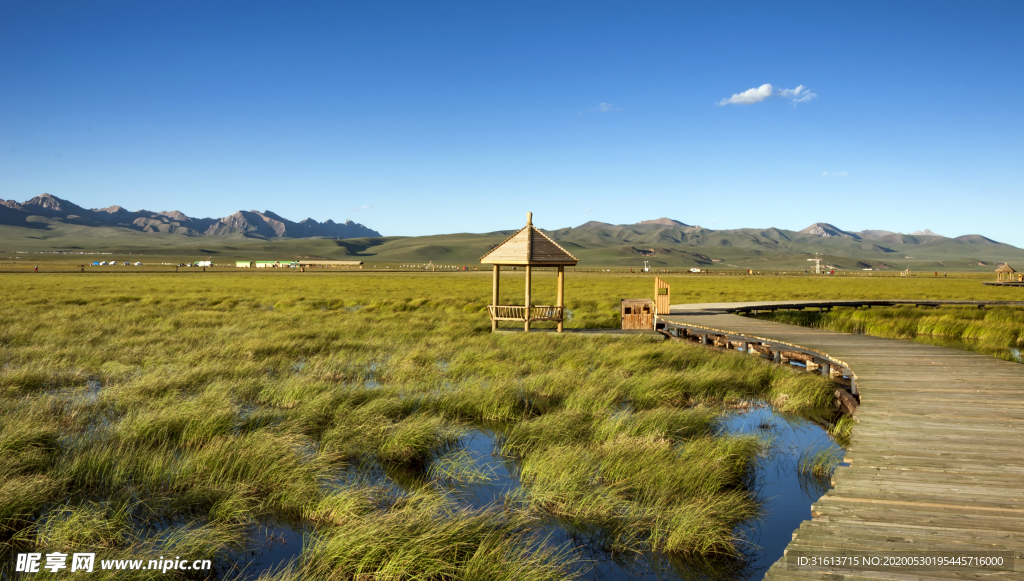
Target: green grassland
[[996, 331], [146, 414]]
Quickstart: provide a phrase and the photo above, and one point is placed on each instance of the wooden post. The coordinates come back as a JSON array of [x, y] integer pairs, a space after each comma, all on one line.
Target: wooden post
[[494, 295], [529, 280], [561, 297], [662, 299], [526, 324]]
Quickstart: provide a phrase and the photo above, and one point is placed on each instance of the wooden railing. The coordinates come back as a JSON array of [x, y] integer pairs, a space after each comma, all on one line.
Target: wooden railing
[[518, 313]]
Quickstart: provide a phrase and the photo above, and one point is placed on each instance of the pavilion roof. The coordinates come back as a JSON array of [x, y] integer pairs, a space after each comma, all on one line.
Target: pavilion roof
[[529, 247], [1005, 268]]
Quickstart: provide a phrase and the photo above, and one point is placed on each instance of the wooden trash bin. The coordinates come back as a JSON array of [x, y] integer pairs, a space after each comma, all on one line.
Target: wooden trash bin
[[637, 313]]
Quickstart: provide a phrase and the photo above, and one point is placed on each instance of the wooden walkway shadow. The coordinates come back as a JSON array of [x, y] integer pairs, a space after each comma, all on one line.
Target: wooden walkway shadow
[[936, 461]]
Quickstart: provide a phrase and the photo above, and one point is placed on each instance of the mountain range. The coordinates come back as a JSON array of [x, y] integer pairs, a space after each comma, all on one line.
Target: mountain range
[[49, 224], [667, 243], [251, 224], [676, 231], [826, 236]]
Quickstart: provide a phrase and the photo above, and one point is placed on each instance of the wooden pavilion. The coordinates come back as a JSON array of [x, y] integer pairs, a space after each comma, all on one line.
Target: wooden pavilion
[[529, 247], [1005, 273]]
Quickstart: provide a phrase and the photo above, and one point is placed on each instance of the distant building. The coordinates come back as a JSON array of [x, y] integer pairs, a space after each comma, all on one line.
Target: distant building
[[331, 263], [298, 263], [1005, 273]]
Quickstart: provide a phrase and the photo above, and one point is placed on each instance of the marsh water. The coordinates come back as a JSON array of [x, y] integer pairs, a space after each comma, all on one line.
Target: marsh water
[[785, 498]]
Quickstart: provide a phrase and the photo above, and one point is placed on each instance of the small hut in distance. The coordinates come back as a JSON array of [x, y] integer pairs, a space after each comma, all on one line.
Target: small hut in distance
[[528, 247], [1005, 273]]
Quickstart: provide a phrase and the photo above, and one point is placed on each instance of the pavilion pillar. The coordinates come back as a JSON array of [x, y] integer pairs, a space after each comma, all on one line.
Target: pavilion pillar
[[560, 302], [526, 324], [494, 296]]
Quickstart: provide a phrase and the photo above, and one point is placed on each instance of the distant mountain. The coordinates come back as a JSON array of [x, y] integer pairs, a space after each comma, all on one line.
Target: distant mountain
[[877, 234], [662, 222], [977, 239], [827, 230], [673, 242], [251, 224], [652, 231]]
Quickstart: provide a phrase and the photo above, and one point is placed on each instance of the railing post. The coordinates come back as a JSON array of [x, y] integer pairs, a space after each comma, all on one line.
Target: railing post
[[560, 303], [494, 297], [526, 324]]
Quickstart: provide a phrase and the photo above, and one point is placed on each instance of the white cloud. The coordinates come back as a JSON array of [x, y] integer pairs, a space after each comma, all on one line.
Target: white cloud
[[800, 94], [587, 211], [361, 208], [749, 97], [838, 174]]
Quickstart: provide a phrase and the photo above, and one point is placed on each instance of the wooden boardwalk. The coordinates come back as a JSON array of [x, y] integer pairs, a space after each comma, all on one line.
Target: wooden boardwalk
[[936, 460]]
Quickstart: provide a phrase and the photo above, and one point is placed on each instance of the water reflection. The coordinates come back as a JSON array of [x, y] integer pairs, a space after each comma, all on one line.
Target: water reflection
[[271, 547], [785, 499], [479, 476], [784, 495]]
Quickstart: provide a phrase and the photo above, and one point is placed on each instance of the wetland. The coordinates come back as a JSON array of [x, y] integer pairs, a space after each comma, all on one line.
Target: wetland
[[363, 426]]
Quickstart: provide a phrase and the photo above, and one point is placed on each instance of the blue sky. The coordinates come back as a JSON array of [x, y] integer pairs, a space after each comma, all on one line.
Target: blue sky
[[434, 117]]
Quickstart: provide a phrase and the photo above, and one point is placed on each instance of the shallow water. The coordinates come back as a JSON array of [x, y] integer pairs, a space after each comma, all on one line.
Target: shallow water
[[79, 396], [480, 445], [270, 547], [784, 500], [370, 376], [785, 503]]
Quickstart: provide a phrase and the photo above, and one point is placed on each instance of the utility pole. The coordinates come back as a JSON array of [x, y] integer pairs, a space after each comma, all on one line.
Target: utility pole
[[817, 263]]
